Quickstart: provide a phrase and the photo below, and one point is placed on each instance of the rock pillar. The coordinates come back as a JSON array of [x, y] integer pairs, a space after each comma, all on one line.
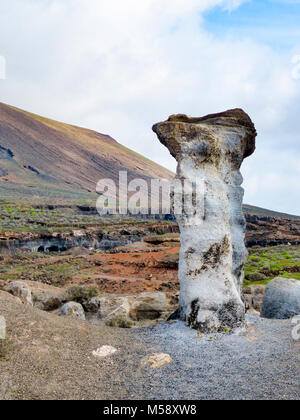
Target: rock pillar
[[211, 150]]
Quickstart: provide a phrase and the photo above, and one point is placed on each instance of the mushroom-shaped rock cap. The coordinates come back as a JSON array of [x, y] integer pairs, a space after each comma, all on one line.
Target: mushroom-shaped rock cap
[[181, 128]]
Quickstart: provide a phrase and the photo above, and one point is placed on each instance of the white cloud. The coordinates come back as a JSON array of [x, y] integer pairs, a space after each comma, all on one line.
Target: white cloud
[[120, 66]]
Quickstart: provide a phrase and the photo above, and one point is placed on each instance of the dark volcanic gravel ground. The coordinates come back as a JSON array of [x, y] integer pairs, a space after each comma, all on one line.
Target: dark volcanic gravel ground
[[261, 364], [50, 357]]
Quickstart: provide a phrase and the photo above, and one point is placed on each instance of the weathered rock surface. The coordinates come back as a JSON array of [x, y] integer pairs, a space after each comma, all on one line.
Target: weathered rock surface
[[211, 150], [112, 307], [148, 306], [253, 297], [9, 297], [157, 360], [45, 297], [21, 290], [271, 231], [73, 309], [2, 328], [114, 310], [80, 242], [281, 299], [151, 306], [93, 304]]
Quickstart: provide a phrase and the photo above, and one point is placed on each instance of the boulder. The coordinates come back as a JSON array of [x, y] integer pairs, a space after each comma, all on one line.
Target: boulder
[[123, 311], [93, 304], [151, 306], [281, 299], [46, 297], [42, 296], [73, 309], [112, 307], [9, 297], [46, 300], [253, 297], [21, 290]]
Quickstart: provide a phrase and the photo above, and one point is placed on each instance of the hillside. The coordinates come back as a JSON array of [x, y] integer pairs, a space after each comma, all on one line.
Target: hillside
[[258, 211], [41, 159]]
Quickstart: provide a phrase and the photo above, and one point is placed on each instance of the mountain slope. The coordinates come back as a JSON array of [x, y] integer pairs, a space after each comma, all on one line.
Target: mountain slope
[[43, 158], [260, 212], [46, 160]]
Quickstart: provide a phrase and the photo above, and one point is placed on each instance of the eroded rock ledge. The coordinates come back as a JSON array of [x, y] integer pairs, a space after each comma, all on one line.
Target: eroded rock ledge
[[211, 149]]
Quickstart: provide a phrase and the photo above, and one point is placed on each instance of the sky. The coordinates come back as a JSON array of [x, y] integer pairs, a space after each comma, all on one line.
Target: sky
[[119, 66]]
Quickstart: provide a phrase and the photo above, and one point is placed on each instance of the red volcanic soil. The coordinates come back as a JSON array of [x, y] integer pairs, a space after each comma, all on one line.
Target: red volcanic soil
[[132, 273]]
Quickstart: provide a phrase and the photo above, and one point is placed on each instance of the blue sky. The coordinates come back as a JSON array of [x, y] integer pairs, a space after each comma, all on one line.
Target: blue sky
[[272, 22], [120, 66]]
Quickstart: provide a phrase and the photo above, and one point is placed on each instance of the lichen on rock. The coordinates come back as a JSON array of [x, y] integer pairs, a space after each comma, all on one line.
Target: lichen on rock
[[211, 150]]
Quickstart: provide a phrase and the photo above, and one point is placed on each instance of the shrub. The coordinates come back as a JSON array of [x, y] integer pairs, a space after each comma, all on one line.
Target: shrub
[[81, 294], [119, 321], [6, 347], [256, 277]]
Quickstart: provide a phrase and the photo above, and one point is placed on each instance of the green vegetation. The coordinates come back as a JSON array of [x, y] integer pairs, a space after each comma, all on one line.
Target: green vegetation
[[119, 321], [23, 267], [266, 263], [81, 294], [3, 349], [16, 217], [24, 218], [6, 348]]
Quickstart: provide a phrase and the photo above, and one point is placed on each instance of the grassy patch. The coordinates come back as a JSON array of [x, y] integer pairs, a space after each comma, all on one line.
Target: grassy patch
[[264, 264], [6, 348], [81, 294], [119, 321], [16, 217], [58, 274]]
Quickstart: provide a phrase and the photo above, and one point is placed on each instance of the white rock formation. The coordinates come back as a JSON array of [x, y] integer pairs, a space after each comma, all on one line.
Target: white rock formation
[[2, 328], [210, 150]]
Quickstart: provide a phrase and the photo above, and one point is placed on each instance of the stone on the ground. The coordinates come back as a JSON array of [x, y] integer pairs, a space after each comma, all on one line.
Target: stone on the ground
[[104, 351], [2, 328], [73, 309], [148, 306], [157, 360], [46, 297], [21, 290], [210, 151], [9, 297], [253, 297], [93, 304], [46, 300], [152, 305], [112, 307], [281, 299]]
